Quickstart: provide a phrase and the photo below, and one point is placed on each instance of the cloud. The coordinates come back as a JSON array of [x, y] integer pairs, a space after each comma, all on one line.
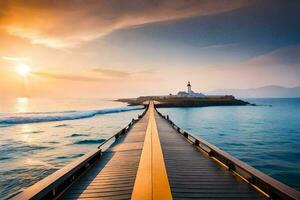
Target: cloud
[[100, 74], [96, 74], [15, 59], [68, 23], [112, 73], [279, 67], [59, 76], [286, 56]]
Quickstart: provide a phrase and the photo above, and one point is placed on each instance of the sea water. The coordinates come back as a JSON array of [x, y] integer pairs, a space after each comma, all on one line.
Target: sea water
[[39, 136], [266, 136]]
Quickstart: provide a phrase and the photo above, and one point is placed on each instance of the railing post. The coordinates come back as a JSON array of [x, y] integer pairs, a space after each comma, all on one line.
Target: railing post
[[185, 134], [211, 153], [231, 167], [251, 179]]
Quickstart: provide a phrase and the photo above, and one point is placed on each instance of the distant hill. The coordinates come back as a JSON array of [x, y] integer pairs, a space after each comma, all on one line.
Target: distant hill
[[272, 91]]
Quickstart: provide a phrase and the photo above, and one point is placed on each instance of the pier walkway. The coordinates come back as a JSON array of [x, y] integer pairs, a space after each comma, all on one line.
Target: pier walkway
[[152, 158]]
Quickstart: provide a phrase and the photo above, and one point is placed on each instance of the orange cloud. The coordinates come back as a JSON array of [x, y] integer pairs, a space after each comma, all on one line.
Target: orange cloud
[[68, 23], [96, 75], [112, 73]]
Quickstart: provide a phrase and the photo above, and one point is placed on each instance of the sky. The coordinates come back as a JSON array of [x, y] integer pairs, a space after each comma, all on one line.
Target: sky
[[128, 48]]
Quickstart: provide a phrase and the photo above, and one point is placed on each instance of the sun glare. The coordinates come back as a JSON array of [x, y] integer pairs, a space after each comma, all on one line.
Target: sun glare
[[23, 70]]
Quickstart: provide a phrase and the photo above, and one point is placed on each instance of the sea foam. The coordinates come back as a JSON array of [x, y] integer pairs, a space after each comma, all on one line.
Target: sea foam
[[25, 118]]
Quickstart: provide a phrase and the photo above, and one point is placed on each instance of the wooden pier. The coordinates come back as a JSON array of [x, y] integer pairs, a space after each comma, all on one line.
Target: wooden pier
[[153, 158]]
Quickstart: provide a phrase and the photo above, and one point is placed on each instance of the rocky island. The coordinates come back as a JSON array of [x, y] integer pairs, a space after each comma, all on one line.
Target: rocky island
[[187, 99]]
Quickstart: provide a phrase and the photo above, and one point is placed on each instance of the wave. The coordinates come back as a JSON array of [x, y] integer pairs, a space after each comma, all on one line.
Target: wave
[[8, 150], [4, 125], [89, 141], [50, 112], [26, 118], [78, 135], [61, 125], [5, 158], [69, 157]]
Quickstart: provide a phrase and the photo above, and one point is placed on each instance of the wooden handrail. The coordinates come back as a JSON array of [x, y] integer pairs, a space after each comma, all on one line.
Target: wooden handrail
[[123, 131], [52, 186], [264, 183]]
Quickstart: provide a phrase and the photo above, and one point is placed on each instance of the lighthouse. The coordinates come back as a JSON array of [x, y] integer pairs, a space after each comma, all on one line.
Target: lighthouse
[[190, 92], [189, 88]]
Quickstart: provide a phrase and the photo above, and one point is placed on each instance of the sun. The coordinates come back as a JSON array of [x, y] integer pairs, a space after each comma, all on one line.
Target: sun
[[23, 70]]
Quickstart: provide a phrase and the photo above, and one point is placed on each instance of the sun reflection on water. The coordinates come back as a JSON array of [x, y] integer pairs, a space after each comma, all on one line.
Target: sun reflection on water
[[25, 131], [25, 128]]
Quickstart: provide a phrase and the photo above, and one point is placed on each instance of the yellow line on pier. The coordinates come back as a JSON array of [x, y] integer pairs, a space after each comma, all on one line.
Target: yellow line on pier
[[152, 180]]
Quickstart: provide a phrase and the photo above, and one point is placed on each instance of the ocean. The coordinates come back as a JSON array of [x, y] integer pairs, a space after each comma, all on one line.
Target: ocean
[[266, 136], [39, 136]]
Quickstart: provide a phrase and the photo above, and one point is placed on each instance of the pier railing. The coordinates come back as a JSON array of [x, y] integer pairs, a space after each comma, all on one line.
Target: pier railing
[[54, 185], [108, 142], [265, 184]]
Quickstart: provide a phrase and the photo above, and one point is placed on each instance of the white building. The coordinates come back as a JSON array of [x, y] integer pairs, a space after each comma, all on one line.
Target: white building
[[190, 92]]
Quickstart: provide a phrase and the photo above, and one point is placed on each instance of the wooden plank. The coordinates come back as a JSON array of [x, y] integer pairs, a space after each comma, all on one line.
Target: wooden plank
[[152, 180], [118, 197], [143, 183], [91, 187], [161, 186], [102, 190]]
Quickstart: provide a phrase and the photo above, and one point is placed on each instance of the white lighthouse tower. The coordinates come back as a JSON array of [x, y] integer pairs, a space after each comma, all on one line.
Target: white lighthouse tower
[[190, 92], [189, 88]]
